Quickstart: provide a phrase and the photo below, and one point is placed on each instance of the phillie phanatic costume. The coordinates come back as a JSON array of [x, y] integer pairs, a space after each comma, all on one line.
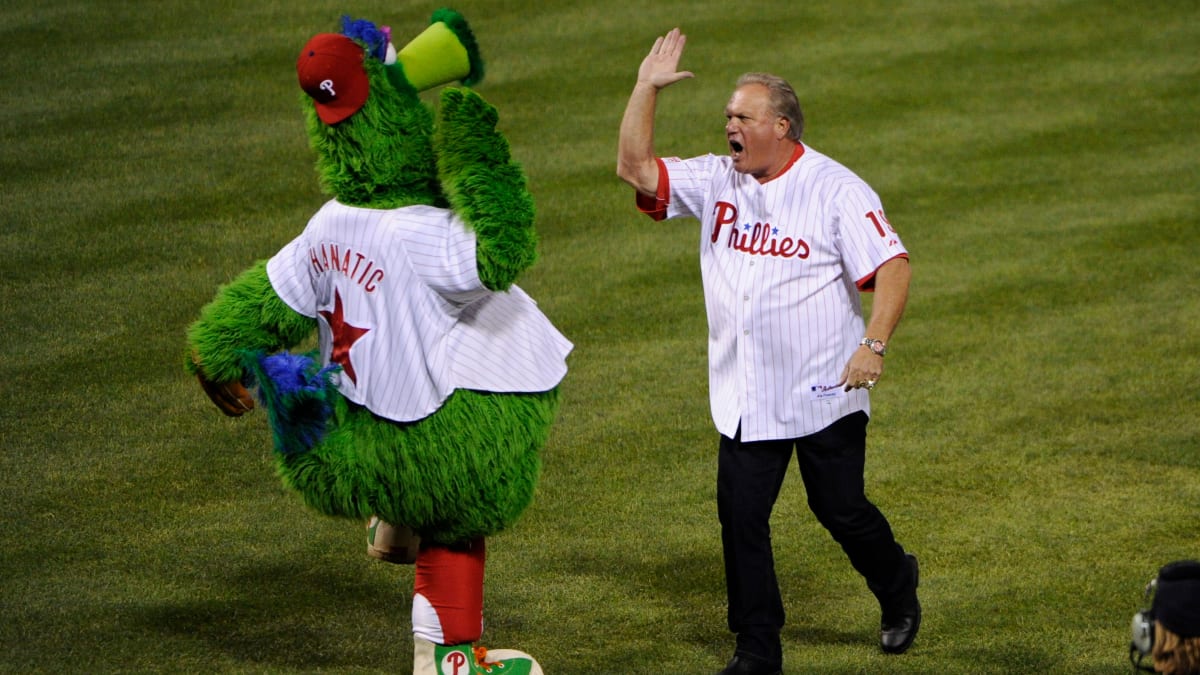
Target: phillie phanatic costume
[[435, 383]]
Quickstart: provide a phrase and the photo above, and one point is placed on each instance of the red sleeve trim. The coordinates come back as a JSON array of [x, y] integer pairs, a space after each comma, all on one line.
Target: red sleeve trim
[[867, 283], [656, 206]]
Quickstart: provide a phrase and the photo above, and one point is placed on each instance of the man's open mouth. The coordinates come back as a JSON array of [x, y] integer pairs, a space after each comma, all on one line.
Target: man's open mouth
[[735, 146]]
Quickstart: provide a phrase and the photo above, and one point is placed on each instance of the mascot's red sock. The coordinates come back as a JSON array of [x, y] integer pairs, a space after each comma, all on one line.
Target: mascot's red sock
[[447, 616], [448, 593]]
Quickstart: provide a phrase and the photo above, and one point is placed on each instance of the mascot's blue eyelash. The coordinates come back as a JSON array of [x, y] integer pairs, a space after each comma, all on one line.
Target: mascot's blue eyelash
[[368, 33]]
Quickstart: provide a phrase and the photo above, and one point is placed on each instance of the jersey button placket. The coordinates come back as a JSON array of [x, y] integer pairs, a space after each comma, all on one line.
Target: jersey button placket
[[746, 312], [746, 308], [747, 351]]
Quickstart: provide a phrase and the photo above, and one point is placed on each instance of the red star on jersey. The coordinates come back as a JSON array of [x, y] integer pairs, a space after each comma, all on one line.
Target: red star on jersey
[[344, 336]]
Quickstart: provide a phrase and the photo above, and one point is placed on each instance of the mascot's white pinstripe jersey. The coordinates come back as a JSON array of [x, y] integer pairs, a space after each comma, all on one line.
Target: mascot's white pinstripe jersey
[[782, 263], [402, 310]]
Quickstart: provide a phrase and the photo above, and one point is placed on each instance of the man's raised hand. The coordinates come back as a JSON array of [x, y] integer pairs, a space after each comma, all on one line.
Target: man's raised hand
[[659, 68]]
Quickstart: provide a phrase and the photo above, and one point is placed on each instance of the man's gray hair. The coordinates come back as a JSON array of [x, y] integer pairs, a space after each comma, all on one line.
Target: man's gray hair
[[782, 98]]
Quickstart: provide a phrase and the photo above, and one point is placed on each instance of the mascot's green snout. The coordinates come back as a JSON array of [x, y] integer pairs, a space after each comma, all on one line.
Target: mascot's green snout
[[436, 379]]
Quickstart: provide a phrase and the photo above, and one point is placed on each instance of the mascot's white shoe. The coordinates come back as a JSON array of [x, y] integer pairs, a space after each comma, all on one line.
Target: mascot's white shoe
[[389, 543], [432, 659]]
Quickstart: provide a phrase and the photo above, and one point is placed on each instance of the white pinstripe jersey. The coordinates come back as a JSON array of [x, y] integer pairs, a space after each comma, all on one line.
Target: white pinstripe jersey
[[782, 264], [401, 308]]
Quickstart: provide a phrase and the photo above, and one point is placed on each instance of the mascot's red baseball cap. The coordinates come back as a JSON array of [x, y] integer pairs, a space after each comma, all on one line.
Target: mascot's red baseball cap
[[331, 71]]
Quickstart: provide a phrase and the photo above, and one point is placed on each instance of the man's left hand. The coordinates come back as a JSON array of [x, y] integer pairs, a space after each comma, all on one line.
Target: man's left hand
[[863, 370]]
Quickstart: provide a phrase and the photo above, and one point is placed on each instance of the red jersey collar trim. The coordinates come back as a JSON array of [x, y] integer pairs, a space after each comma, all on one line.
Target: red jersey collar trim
[[795, 157]]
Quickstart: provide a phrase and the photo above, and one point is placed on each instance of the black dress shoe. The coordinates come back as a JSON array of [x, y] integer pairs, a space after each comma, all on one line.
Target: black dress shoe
[[899, 626], [745, 664]]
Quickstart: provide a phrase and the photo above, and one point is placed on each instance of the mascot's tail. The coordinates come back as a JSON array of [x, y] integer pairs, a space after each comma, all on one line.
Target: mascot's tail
[[298, 395]]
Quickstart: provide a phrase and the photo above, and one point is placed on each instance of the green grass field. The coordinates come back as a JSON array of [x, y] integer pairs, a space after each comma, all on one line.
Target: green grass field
[[1036, 436]]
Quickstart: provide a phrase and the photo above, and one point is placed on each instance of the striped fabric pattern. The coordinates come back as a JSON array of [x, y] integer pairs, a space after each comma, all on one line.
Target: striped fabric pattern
[[783, 264], [401, 308]]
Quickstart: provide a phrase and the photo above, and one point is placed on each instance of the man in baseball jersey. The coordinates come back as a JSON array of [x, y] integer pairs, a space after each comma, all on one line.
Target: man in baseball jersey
[[789, 238]]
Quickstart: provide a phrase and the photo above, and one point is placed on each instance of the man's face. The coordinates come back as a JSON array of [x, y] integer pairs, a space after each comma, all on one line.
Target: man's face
[[753, 131]]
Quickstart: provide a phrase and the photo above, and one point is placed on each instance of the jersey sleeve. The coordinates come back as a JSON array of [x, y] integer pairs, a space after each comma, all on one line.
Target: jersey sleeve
[[682, 188], [291, 274], [656, 206], [866, 238]]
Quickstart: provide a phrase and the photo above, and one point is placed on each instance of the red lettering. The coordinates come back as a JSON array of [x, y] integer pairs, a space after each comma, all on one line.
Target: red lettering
[[761, 239], [371, 284], [332, 258], [733, 239], [876, 221], [726, 213]]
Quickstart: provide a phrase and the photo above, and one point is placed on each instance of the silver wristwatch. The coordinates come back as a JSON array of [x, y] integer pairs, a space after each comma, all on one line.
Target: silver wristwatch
[[876, 346]]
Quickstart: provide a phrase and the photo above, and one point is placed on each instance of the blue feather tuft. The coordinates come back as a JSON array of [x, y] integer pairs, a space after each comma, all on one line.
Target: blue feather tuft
[[367, 33], [298, 395], [289, 373]]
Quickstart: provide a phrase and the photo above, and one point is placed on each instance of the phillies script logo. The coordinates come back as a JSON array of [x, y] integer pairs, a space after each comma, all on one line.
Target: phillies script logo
[[756, 239]]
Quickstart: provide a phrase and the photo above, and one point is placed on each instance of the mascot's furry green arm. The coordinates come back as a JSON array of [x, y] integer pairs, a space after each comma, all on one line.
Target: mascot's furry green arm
[[470, 468], [484, 187]]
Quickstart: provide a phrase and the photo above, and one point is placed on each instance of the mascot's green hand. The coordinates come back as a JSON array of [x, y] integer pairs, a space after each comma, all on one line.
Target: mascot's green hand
[[465, 137], [230, 397]]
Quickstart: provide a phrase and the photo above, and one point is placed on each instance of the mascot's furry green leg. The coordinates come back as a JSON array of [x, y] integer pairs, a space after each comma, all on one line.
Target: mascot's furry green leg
[[436, 379]]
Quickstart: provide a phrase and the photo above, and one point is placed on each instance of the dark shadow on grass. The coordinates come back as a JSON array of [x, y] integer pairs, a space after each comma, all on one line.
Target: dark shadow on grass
[[1017, 658], [285, 615], [810, 633], [695, 586]]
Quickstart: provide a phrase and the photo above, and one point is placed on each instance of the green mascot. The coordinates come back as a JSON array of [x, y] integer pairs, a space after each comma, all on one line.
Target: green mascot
[[434, 382]]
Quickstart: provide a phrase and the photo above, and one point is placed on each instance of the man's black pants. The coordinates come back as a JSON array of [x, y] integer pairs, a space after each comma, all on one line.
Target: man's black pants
[[749, 476]]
